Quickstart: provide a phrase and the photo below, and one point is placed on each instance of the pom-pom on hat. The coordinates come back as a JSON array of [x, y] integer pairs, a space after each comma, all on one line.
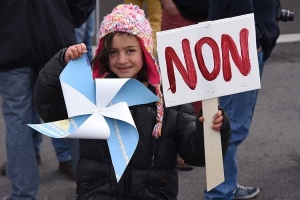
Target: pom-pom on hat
[[128, 18]]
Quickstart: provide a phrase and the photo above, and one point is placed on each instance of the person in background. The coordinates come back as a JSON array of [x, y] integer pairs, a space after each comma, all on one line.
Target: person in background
[[85, 33], [240, 107], [153, 8], [30, 37], [180, 13]]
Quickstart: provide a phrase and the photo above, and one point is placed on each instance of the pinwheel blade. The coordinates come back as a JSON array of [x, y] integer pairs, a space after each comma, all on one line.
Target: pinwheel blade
[[119, 111], [122, 144], [58, 129], [131, 91], [95, 127], [82, 127], [78, 76], [76, 103], [106, 89]]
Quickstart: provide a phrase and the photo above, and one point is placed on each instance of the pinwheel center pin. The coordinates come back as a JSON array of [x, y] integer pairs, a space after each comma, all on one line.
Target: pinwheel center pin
[[100, 110]]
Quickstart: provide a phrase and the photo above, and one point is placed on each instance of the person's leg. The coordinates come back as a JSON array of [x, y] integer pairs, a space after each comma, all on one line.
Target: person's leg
[[261, 63], [79, 33], [239, 108], [37, 141], [89, 34], [62, 149], [225, 191], [74, 147], [37, 136], [22, 169], [64, 157], [154, 12]]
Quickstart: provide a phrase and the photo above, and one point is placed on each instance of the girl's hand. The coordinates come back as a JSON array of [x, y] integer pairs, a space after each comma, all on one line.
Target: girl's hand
[[217, 122], [74, 52]]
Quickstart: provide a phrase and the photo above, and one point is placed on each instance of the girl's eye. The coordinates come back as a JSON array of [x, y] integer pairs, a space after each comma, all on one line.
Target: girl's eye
[[113, 53], [129, 51]]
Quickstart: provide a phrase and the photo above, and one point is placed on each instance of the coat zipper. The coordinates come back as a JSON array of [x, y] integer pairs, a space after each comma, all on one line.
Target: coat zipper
[[155, 148]]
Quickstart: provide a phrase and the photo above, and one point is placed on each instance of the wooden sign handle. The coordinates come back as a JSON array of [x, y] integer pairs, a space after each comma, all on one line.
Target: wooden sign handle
[[212, 146]]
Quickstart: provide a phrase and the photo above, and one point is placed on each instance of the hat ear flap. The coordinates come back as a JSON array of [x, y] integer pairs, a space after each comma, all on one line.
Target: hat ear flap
[[152, 67], [97, 66]]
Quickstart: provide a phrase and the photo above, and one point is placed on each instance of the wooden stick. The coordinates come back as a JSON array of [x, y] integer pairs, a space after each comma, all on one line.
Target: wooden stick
[[212, 145]]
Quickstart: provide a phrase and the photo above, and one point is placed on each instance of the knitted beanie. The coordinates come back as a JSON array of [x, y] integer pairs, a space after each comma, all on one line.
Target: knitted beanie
[[128, 18]]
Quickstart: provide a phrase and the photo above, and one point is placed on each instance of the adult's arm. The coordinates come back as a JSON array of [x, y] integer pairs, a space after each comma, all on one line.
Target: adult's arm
[[219, 9], [81, 10], [170, 7]]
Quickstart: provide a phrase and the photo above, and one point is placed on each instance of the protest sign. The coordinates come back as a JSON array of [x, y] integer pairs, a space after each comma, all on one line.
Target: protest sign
[[206, 61]]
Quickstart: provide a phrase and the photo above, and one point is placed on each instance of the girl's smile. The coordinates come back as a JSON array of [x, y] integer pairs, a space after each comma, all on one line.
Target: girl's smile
[[124, 69]]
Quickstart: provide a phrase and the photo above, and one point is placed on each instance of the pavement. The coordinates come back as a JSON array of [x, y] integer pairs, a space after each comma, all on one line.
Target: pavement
[[269, 158]]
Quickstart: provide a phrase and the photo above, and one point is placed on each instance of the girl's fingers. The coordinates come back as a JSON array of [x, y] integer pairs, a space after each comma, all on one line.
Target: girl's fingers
[[83, 48], [201, 119], [69, 53], [218, 120], [216, 126], [75, 53], [218, 114], [79, 50]]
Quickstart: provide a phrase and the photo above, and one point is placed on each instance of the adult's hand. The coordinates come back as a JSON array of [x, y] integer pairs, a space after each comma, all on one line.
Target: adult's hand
[[170, 7]]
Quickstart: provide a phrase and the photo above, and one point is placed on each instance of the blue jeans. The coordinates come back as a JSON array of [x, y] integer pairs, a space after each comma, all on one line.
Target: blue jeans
[[62, 149], [239, 108], [85, 33], [67, 149], [22, 142]]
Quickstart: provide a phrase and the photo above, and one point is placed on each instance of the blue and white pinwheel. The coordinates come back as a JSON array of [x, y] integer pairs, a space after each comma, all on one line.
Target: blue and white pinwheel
[[99, 109]]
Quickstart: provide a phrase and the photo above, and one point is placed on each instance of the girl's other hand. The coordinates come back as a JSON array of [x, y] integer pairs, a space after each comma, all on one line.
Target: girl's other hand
[[217, 122], [74, 52]]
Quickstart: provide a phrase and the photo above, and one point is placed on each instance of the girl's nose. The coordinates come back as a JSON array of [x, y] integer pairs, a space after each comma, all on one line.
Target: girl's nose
[[122, 58]]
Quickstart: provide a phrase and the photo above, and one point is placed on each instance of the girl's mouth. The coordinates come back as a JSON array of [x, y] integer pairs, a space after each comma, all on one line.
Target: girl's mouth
[[123, 69]]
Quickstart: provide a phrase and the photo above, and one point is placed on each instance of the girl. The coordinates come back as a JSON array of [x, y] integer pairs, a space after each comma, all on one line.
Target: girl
[[125, 51]]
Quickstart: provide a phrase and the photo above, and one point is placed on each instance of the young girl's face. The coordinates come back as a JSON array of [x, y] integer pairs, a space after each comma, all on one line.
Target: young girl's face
[[125, 56]]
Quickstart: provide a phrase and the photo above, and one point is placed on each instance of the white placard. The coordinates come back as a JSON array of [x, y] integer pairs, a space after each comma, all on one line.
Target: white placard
[[240, 29]]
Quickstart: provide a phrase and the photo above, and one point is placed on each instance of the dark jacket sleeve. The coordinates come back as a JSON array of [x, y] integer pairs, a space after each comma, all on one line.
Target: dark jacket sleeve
[[81, 10], [219, 9], [190, 138], [47, 96]]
